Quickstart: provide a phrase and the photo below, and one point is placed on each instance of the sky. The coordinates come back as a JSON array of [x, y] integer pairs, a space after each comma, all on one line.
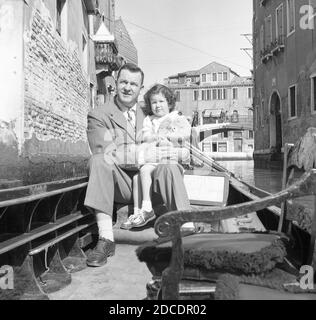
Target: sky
[[173, 36]]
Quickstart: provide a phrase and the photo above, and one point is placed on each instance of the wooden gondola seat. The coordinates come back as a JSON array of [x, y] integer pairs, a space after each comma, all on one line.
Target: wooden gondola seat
[[206, 255], [243, 258], [302, 155]]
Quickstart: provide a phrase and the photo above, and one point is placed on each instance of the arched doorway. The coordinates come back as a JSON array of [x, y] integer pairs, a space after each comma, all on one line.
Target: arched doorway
[[276, 140]]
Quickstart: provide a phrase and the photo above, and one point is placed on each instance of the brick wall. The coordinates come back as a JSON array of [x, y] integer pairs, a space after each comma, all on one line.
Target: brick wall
[[56, 91]]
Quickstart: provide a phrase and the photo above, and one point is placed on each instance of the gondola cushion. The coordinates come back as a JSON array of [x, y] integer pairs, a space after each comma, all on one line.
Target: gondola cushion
[[247, 253], [276, 285]]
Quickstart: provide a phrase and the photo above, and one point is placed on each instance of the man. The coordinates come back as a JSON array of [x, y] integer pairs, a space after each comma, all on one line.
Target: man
[[112, 130]]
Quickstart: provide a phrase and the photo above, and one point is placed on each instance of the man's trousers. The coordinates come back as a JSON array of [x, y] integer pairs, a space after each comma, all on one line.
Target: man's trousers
[[108, 183]]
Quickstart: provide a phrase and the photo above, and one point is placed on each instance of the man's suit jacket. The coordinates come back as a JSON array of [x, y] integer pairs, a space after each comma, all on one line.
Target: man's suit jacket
[[109, 133]]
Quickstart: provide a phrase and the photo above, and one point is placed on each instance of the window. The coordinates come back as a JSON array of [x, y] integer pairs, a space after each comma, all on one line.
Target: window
[[61, 18], [220, 76], [195, 95], [203, 78], [92, 96], [292, 102], [261, 113], [257, 117], [206, 146], [222, 147], [249, 93], [235, 116], [209, 95], [219, 94], [84, 54], [224, 94], [225, 134], [262, 38], [279, 30], [237, 134], [225, 76], [235, 93], [214, 77], [214, 147], [290, 16], [214, 94], [203, 95], [313, 94], [268, 31], [250, 134], [182, 80], [257, 52], [177, 94]]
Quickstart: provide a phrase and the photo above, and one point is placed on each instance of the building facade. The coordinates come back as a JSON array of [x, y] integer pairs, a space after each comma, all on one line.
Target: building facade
[[284, 74], [217, 94], [125, 43], [53, 67]]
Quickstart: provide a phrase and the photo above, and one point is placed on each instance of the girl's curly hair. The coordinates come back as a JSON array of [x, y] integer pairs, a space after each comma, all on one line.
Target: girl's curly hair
[[165, 91]]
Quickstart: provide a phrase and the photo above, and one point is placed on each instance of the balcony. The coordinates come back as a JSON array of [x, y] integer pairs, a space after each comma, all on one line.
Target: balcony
[[266, 53], [272, 49], [106, 56], [278, 45], [243, 121]]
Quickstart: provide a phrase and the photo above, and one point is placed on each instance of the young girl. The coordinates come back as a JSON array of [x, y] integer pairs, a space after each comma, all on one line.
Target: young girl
[[162, 130]]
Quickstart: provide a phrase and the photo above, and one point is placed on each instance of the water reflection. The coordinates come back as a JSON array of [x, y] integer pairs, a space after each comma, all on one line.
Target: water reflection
[[266, 179]]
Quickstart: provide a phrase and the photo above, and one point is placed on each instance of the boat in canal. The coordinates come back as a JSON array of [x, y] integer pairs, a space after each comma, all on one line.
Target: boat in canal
[[45, 234]]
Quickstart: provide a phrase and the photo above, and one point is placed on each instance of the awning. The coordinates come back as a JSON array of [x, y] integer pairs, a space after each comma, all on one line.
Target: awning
[[211, 112], [216, 113], [207, 113], [103, 35]]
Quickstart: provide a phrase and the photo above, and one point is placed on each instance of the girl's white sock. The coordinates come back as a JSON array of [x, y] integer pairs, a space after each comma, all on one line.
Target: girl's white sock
[[147, 205]]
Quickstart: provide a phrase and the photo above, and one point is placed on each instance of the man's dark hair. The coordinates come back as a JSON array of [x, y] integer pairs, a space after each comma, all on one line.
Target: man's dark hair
[[165, 91], [131, 67]]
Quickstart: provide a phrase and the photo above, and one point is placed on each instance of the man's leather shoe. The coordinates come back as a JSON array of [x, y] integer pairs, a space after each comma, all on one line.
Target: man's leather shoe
[[98, 257]]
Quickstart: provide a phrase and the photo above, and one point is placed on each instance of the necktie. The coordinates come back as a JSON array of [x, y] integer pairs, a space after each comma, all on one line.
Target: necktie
[[131, 118]]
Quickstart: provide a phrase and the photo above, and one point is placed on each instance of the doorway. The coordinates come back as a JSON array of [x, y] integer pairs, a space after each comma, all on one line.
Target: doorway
[[237, 145], [276, 140]]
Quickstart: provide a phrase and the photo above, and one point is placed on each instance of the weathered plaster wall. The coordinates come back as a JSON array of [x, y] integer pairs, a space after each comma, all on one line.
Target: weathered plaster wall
[[292, 66], [56, 91], [11, 62], [56, 95], [11, 84], [46, 97]]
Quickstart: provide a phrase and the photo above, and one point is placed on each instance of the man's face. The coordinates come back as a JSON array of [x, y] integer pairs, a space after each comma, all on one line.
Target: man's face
[[129, 85]]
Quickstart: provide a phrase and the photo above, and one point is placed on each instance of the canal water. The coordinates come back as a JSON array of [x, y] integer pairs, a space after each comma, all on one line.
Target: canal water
[[267, 179]]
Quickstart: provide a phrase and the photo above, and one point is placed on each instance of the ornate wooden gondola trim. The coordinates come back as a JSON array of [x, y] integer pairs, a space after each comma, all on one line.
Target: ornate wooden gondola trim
[[40, 235]]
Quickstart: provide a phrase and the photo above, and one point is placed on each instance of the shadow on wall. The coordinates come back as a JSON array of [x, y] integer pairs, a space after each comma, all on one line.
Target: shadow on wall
[[39, 161]]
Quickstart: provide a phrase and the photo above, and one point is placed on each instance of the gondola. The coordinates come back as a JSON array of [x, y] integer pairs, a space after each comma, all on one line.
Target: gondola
[[215, 263], [45, 230]]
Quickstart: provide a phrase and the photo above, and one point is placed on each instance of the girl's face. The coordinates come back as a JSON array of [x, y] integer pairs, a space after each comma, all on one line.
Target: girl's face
[[159, 105]]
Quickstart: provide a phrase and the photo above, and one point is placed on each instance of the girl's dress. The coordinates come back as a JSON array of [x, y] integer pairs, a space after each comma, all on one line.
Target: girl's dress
[[171, 126]]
